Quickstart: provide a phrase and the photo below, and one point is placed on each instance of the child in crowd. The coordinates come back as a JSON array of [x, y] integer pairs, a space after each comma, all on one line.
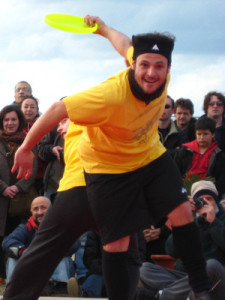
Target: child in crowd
[[202, 156]]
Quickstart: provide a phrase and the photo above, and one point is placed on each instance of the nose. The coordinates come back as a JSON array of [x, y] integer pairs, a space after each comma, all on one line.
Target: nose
[[59, 129], [151, 71]]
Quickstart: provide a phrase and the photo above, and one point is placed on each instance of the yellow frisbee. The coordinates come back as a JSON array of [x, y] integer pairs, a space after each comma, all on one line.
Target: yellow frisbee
[[69, 23]]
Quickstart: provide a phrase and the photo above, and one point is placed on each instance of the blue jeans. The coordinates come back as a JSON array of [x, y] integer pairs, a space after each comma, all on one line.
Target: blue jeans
[[93, 285], [62, 273]]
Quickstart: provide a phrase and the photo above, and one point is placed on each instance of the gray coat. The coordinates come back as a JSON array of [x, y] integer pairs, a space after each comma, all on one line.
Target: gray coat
[[22, 184]]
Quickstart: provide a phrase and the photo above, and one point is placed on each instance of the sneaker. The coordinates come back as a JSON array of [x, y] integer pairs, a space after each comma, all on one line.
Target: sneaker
[[72, 287], [199, 296]]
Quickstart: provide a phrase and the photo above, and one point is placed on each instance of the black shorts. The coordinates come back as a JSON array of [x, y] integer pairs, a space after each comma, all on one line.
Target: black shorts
[[123, 204]]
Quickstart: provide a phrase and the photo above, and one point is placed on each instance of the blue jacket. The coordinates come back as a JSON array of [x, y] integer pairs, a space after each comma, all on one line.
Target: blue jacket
[[17, 241]]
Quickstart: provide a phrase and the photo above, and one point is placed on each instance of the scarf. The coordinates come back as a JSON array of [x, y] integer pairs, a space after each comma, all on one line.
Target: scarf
[[138, 91], [11, 143]]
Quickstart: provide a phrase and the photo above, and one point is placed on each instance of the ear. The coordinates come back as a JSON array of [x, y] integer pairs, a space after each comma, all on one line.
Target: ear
[[168, 70]]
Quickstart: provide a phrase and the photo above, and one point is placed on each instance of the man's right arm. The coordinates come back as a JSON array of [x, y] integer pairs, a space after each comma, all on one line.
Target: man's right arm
[[120, 41], [23, 160]]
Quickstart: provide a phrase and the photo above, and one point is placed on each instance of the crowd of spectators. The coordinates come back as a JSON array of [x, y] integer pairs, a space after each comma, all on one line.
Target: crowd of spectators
[[197, 145]]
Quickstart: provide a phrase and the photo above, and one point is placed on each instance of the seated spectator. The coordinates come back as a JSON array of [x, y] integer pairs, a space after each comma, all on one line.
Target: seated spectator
[[19, 240], [170, 136], [88, 280], [155, 238], [30, 109], [93, 286], [173, 284], [88, 263], [184, 111], [11, 188], [202, 156], [214, 107], [76, 281], [22, 90]]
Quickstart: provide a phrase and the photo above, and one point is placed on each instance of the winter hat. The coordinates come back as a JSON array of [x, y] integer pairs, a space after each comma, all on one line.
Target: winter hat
[[204, 187]]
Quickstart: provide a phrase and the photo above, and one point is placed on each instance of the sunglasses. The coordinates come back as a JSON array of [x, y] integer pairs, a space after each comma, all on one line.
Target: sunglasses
[[218, 103], [167, 106]]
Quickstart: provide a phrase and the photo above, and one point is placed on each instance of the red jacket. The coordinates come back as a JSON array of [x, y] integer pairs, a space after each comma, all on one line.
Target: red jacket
[[200, 162]]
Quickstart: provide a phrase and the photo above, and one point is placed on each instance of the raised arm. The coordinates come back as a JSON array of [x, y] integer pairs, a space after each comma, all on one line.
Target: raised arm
[[120, 41], [24, 158]]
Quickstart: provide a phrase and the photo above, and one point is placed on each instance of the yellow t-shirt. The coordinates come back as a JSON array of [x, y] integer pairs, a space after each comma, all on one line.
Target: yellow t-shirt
[[73, 175], [121, 132]]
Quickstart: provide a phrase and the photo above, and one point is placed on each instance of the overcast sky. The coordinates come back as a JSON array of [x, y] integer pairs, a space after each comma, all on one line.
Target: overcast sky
[[58, 63]]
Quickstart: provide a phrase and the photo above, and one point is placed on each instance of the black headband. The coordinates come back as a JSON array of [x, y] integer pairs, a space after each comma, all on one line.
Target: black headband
[[153, 43]]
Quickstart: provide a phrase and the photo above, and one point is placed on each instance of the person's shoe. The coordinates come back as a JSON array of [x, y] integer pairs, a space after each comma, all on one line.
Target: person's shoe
[[145, 294], [199, 296], [72, 287]]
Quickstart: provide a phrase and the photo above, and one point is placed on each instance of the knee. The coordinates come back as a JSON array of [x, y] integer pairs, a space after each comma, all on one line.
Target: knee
[[181, 215], [213, 267], [117, 246]]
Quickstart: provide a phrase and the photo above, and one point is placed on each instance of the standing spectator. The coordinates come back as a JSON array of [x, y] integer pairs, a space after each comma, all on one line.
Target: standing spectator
[[214, 106], [30, 109], [171, 136], [184, 111], [50, 149], [22, 90], [11, 137]]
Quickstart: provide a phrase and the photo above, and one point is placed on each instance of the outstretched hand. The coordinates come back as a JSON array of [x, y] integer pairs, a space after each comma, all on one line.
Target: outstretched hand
[[23, 162]]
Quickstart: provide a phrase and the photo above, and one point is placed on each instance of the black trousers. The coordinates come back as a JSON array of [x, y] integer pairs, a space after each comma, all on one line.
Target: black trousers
[[63, 224]]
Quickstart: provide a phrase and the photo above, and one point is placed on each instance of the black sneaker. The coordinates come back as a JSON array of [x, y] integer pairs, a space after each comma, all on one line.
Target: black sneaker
[[199, 296]]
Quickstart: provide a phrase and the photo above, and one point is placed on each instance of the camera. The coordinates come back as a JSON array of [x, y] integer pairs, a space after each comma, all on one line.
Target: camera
[[199, 203]]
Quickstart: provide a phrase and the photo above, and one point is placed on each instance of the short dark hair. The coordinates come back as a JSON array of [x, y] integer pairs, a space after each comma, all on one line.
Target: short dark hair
[[23, 81], [19, 113], [205, 123], [185, 103], [207, 99], [161, 43], [172, 101]]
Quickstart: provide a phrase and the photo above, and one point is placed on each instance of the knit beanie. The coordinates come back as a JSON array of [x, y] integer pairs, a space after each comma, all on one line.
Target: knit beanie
[[204, 187]]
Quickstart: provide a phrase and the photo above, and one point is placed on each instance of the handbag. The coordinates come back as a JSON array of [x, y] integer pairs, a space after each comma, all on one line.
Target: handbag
[[20, 204]]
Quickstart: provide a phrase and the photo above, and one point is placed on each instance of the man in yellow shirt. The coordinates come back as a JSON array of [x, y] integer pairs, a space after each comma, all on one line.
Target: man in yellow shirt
[[131, 180]]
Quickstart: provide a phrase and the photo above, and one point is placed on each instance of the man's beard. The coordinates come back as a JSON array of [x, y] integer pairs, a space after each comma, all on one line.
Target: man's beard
[[139, 93]]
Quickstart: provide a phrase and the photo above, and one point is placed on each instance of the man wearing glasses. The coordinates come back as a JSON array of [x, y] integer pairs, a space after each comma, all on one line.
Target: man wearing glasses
[[22, 91], [170, 136], [214, 106]]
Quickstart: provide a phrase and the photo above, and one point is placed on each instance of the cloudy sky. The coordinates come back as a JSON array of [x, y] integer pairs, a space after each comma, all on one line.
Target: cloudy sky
[[58, 63]]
